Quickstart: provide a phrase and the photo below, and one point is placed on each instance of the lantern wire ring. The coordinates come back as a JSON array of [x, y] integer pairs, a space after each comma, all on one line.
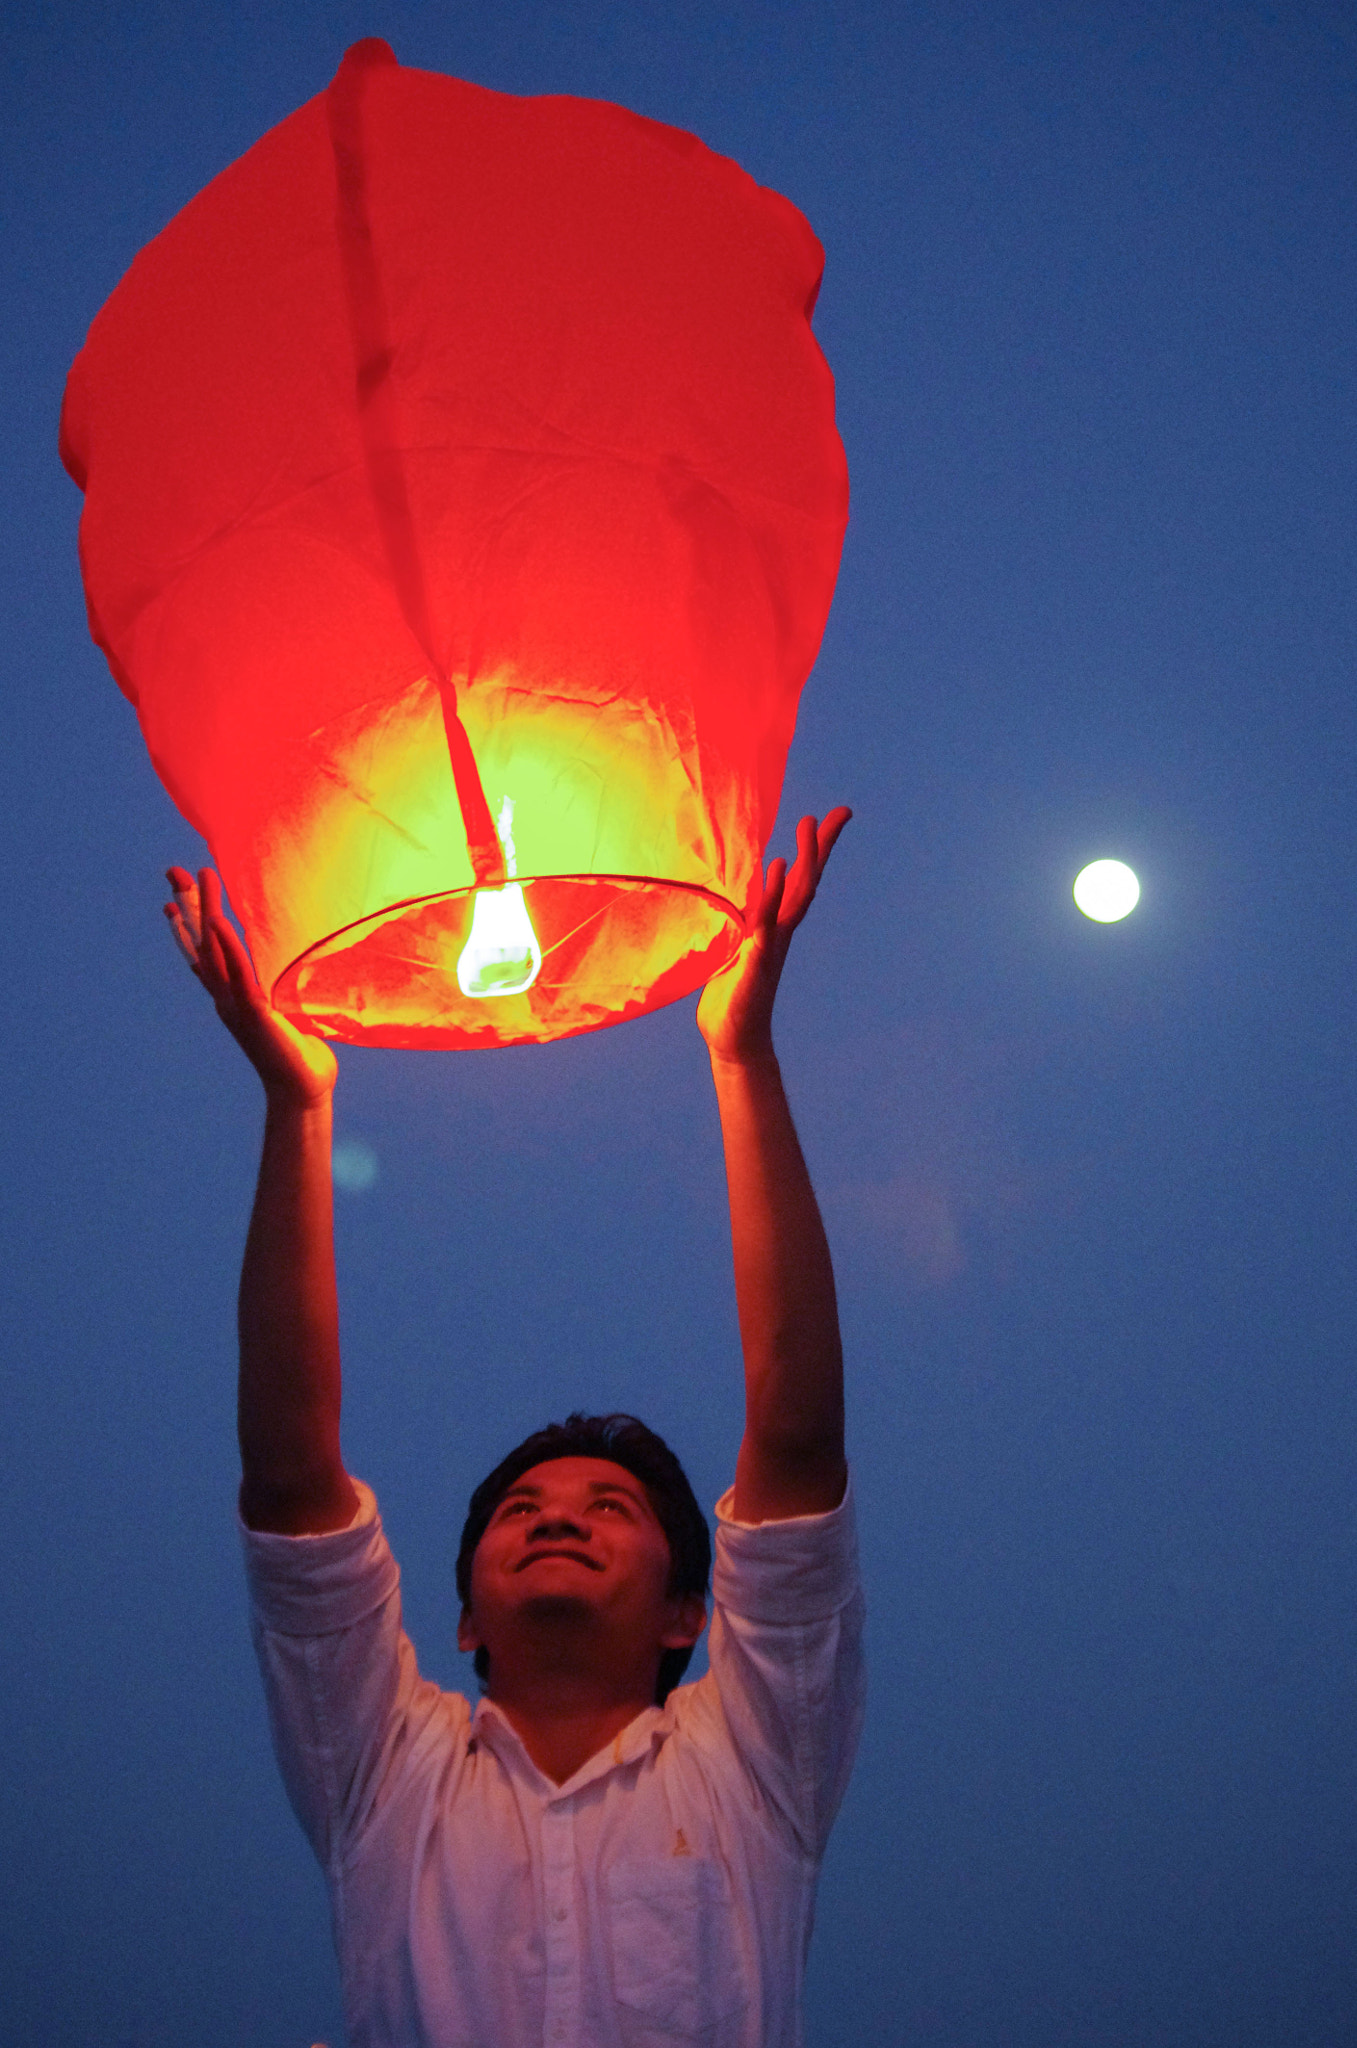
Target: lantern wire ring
[[394, 910]]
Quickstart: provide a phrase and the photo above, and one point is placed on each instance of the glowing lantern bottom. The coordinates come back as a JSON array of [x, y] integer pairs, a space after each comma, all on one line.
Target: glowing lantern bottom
[[611, 947]]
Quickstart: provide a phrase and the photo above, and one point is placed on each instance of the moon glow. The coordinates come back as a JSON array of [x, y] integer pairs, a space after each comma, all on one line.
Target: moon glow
[[1106, 890]]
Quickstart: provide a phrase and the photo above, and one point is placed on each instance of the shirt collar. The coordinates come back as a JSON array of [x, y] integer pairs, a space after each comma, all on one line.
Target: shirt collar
[[492, 1727]]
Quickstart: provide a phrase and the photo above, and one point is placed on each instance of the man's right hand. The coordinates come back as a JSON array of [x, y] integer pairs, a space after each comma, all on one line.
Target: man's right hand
[[293, 1065]]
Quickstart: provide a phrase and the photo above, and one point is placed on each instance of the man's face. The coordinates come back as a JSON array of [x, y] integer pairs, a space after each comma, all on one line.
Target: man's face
[[576, 1540]]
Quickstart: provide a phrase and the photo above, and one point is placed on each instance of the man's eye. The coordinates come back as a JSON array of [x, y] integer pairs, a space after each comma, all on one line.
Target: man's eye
[[516, 1507], [608, 1500]]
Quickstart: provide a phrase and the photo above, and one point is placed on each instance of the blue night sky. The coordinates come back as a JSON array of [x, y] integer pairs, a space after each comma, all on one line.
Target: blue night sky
[[1089, 301]]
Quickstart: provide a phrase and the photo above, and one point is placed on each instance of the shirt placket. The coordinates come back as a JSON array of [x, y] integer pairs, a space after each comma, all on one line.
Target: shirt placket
[[562, 2017]]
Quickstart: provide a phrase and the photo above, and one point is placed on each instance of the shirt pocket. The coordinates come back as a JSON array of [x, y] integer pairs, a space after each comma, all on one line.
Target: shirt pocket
[[675, 1952]]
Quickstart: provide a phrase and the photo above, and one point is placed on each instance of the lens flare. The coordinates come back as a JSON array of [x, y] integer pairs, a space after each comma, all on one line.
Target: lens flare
[[354, 1165]]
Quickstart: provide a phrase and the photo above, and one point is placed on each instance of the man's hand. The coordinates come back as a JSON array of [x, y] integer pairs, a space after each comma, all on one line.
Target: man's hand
[[735, 1014], [293, 1065]]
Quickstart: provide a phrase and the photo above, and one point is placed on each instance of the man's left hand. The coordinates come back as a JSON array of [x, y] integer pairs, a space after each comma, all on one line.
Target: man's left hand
[[735, 1014]]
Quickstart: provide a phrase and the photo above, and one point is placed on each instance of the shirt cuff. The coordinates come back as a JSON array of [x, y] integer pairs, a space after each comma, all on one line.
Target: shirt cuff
[[312, 1585], [796, 1571]]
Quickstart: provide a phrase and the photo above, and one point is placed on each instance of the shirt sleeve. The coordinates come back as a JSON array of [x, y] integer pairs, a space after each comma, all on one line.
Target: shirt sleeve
[[786, 1660], [347, 1706]]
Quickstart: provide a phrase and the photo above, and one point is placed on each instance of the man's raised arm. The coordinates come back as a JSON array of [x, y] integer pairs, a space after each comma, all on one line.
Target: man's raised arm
[[293, 1478], [791, 1458]]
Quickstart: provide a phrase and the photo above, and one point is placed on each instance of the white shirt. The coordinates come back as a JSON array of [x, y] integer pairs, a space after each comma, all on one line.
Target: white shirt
[[662, 1895]]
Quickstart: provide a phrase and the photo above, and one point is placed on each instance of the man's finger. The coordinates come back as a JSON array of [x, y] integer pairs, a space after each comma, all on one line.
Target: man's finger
[[239, 966], [186, 901], [236, 967], [774, 884], [804, 876], [831, 825], [212, 959], [183, 937], [815, 842]]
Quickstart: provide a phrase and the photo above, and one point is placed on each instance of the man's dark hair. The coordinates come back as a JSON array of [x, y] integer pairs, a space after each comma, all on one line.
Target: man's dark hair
[[623, 1441]]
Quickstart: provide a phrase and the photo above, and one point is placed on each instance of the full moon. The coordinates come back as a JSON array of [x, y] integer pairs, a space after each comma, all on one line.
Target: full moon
[[1106, 890]]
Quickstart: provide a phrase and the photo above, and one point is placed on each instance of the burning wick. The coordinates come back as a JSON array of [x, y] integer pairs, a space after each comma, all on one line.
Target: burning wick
[[501, 956]]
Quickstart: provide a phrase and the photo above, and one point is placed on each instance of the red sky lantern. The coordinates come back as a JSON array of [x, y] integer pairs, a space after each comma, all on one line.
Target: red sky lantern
[[463, 509]]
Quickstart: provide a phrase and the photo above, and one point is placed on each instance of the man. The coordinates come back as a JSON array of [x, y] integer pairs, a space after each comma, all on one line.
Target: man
[[590, 1859]]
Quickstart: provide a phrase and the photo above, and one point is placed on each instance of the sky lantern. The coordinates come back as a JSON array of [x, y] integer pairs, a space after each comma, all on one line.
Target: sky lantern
[[463, 505]]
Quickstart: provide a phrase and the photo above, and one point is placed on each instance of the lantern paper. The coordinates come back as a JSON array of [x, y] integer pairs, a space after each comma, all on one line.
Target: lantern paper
[[463, 508]]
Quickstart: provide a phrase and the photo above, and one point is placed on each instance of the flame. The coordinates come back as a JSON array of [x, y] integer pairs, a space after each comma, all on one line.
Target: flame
[[501, 956]]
